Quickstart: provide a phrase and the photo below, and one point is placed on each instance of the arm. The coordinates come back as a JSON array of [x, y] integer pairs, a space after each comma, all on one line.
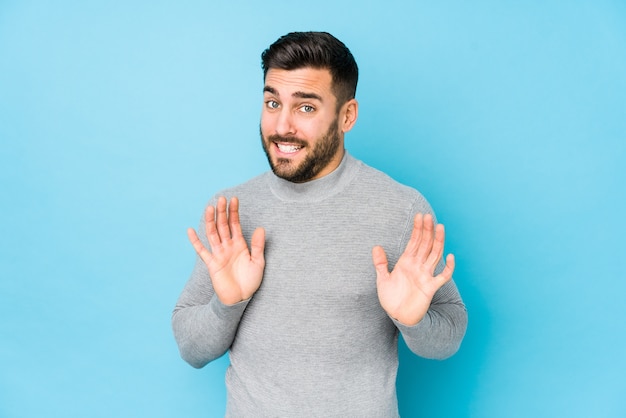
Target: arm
[[440, 332], [224, 279], [204, 327], [419, 294]]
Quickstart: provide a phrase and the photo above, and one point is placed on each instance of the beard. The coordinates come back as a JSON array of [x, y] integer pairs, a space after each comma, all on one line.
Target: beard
[[315, 161]]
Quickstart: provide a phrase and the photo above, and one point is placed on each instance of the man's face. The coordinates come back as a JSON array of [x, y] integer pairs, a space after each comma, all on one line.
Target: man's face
[[300, 127]]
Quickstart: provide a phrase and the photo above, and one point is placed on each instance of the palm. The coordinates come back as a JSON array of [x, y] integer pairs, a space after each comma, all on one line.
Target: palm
[[407, 291], [236, 272]]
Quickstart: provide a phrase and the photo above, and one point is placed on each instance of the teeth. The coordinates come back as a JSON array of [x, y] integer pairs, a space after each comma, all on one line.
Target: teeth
[[288, 148]]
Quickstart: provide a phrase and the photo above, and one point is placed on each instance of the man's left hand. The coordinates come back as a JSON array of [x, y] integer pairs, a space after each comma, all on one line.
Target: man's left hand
[[406, 292]]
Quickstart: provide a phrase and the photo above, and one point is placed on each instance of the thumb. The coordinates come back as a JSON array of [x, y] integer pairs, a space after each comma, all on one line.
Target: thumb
[[380, 262]]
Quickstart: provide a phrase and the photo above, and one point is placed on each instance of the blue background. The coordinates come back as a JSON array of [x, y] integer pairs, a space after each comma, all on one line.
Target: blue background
[[118, 120]]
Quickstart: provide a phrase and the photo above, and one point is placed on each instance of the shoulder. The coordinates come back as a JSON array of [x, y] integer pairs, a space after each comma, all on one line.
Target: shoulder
[[250, 189], [253, 195], [383, 188]]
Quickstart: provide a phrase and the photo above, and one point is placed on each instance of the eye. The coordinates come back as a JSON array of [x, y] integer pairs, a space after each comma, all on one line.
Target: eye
[[272, 104], [307, 109]]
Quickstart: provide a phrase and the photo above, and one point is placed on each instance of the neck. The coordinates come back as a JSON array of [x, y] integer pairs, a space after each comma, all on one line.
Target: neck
[[319, 188]]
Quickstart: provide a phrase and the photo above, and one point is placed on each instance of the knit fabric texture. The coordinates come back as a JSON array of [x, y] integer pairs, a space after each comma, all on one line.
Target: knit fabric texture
[[314, 341]]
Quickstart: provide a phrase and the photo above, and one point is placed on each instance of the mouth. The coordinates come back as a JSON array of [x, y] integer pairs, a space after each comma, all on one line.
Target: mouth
[[287, 148]]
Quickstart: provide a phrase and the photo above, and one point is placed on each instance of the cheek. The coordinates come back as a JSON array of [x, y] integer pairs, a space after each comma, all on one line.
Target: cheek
[[269, 122], [309, 128]]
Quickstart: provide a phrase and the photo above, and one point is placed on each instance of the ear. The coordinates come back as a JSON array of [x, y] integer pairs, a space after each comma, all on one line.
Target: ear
[[348, 115]]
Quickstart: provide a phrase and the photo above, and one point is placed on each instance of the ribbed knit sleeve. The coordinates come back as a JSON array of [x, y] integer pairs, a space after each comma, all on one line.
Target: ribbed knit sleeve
[[439, 334], [205, 332], [204, 328]]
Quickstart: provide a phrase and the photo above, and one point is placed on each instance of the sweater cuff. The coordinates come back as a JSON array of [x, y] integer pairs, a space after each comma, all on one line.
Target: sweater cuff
[[413, 330], [233, 312]]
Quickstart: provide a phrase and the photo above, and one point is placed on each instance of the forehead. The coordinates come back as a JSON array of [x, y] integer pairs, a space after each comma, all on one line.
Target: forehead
[[301, 80]]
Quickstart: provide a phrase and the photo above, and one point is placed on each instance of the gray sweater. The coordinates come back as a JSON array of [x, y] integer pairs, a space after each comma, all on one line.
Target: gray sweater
[[314, 340]]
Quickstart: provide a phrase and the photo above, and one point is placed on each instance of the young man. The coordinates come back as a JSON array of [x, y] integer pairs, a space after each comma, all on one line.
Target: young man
[[311, 309]]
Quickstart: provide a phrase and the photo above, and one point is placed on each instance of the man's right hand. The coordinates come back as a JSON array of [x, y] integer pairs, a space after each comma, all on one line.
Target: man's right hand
[[236, 272]]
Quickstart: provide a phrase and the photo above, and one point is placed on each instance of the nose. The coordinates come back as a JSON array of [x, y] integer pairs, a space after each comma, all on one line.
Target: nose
[[285, 123]]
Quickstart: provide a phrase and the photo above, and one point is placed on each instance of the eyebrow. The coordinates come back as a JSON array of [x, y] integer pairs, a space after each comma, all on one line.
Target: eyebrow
[[298, 94]]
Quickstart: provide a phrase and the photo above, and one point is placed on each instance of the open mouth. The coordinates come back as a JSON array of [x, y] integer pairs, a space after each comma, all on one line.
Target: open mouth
[[288, 148]]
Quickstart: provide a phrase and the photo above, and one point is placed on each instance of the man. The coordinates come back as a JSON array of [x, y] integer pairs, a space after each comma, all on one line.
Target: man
[[311, 309]]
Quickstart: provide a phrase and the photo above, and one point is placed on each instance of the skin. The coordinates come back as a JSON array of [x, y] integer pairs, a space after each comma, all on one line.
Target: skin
[[299, 116], [300, 124]]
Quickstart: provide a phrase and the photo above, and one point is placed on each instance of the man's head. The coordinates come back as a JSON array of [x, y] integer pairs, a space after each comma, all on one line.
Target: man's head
[[310, 82], [318, 50]]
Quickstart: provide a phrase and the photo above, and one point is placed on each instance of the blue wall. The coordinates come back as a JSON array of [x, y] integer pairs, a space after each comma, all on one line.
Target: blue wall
[[118, 120]]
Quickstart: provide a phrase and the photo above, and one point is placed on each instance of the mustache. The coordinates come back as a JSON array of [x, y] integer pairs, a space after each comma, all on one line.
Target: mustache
[[287, 139]]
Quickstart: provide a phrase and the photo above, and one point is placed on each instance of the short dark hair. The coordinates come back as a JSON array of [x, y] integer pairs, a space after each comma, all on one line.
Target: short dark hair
[[318, 50]]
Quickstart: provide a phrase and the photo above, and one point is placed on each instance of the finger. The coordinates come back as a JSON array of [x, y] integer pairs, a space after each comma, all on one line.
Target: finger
[[257, 246], [448, 270], [416, 235], [211, 230], [222, 219], [233, 217], [426, 243], [380, 262], [437, 250], [201, 250]]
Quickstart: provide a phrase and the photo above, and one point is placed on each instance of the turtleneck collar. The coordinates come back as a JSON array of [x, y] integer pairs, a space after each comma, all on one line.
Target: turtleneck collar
[[318, 189]]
